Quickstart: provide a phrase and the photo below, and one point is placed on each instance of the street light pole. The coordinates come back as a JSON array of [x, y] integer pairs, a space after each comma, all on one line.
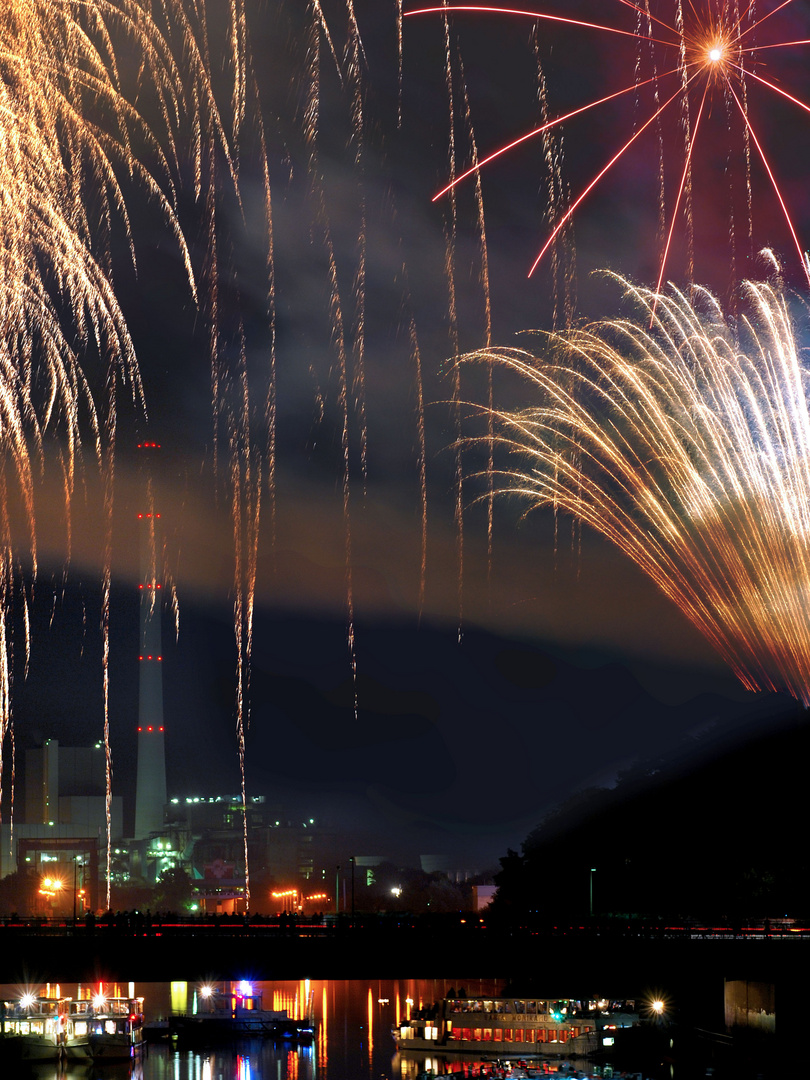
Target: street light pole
[[352, 862], [593, 871], [75, 886]]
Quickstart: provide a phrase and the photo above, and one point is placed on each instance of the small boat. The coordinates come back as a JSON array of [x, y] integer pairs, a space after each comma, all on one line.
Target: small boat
[[221, 1015]]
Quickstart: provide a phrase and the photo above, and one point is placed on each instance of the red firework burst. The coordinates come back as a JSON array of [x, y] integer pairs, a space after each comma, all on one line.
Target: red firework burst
[[694, 55]]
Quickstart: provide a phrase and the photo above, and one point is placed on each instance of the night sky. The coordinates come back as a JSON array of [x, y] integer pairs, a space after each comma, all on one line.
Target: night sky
[[571, 665]]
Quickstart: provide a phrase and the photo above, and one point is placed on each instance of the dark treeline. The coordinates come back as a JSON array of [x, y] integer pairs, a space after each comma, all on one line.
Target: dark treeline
[[727, 841]]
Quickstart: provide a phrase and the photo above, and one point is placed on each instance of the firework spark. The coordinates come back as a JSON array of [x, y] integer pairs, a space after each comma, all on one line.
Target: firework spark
[[691, 453], [703, 57]]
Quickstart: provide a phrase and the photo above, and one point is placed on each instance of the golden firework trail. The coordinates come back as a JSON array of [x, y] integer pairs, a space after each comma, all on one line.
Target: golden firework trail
[[690, 451], [57, 67], [73, 142], [697, 57]]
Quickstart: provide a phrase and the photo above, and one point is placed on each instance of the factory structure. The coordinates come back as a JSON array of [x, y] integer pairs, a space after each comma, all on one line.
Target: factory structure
[[60, 847]]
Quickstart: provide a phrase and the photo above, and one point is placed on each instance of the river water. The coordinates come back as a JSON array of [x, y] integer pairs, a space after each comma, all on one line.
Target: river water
[[353, 1038]]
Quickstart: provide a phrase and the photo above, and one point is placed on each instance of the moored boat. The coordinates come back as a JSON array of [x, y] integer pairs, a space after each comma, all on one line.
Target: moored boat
[[525, 1027], [104, 1028], [34, 1027], [221, 1015]]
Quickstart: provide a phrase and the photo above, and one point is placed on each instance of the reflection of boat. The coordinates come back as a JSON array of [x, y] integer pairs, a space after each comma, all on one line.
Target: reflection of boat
[[220, 1015], [522, 1027], [506, 1069], [104, 1028], [33, 1028]]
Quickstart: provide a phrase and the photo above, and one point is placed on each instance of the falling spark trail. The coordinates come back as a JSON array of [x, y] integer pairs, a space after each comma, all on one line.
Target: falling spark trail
[[338, 336], [686, 126], [400, 65], [562, 256], [681, 192], [451, 228], [689, 452], [359, 335], [416, 358], [485, 288], [245, 488], [656, 90], [271, 403]]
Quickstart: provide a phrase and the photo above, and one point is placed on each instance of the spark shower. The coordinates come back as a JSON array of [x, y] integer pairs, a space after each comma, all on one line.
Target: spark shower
[[690, 451]]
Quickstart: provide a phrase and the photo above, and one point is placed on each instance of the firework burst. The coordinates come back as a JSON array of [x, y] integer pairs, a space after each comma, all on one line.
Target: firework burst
[[691, 453], [692, 60]]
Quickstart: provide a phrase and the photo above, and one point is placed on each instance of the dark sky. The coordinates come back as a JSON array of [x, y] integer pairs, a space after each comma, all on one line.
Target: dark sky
[[571, 663]]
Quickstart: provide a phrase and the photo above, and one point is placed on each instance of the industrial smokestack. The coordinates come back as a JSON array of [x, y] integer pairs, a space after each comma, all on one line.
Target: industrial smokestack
[[150, 797]]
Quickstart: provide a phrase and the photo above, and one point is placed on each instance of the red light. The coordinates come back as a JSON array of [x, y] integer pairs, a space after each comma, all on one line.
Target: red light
[[149, 729], [160, 729], [140, 729]]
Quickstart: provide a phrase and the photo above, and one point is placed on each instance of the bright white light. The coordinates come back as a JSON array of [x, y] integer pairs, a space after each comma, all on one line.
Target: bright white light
[[206, 991], [715, 54], [245, 989], [99, 1001], [27, 1000], [657, 1007]]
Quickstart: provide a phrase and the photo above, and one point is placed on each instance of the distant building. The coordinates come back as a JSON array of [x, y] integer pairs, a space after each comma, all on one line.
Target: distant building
[[66, 785], [64, 826]]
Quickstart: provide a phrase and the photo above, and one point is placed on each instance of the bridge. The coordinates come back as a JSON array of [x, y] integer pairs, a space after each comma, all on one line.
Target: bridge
[[690, 967]]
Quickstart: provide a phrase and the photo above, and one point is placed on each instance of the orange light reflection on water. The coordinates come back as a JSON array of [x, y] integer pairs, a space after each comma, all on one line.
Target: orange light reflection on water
[[370, 1024], [323, 1028]]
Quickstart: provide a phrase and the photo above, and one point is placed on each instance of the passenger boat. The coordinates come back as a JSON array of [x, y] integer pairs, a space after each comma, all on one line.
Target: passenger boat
[[519, 1027], [33, 1028], [104, 1028], [221, 1015]]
